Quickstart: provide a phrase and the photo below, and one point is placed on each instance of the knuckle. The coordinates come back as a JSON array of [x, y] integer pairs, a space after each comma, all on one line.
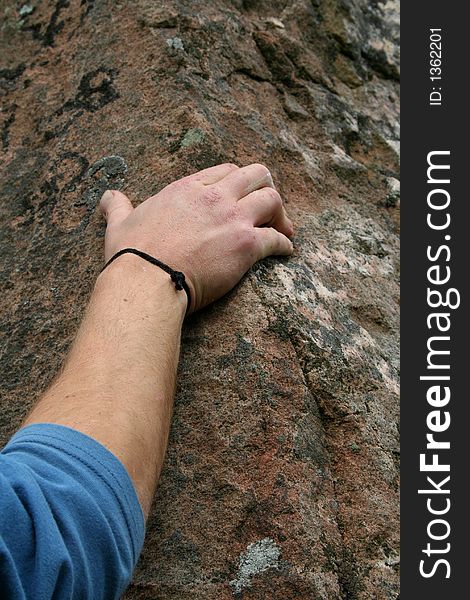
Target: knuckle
[[232, 213], [181, 188], [275, 197], [231, 166], [211, 196]]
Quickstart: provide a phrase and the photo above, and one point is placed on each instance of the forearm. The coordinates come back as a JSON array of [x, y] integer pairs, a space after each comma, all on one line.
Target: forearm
[[117, 384]]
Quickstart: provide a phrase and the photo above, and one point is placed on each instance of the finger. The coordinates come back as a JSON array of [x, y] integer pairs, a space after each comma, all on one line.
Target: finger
[[243, 181], [265, 207], [115, 207], [214, 174], [273, 243]]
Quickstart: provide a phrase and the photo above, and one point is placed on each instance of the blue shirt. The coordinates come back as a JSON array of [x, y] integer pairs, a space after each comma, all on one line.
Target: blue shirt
[[71, 525]]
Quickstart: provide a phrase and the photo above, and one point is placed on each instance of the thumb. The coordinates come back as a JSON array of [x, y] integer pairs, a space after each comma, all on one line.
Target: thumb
[[115, 207]]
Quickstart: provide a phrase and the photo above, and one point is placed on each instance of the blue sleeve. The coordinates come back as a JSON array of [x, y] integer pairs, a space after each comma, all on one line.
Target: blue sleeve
[[71, 525]]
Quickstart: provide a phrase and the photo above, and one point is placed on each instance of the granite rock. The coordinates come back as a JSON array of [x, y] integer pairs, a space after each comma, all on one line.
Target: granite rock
[[281, 478]]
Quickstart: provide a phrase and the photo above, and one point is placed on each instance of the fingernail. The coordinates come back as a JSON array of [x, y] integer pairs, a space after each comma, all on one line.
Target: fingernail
[[262, 182], [289, 226], [108, 195]]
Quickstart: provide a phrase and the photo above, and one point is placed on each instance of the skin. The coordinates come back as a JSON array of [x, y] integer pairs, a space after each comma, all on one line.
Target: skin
[[118, 381]]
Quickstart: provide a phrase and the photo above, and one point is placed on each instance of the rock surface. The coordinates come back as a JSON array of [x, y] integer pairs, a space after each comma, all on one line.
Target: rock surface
[[281, 479]]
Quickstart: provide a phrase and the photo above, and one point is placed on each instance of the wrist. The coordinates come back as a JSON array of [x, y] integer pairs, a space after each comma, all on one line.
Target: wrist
[[139, 282]]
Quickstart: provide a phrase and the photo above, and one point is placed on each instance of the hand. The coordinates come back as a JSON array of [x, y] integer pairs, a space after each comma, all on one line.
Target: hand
[[212, 225]]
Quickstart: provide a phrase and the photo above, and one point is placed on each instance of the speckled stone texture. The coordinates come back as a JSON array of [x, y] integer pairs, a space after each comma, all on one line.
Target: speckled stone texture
[[281, 479]]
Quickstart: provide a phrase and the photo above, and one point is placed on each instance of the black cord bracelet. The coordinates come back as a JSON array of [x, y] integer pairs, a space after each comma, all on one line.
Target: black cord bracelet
[[177, 277]]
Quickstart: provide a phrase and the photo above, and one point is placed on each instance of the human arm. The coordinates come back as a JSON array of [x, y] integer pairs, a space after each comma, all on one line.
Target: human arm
[[117, 384]]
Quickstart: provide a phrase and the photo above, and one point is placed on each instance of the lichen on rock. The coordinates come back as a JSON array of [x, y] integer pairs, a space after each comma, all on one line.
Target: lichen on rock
[[258, 558]]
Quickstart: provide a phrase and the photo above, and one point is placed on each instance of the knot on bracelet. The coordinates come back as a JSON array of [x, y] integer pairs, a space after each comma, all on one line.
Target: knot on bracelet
[[177, 277]]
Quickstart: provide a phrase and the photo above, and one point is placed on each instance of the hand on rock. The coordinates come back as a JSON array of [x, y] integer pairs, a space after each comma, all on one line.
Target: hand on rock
[[212, 225]]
